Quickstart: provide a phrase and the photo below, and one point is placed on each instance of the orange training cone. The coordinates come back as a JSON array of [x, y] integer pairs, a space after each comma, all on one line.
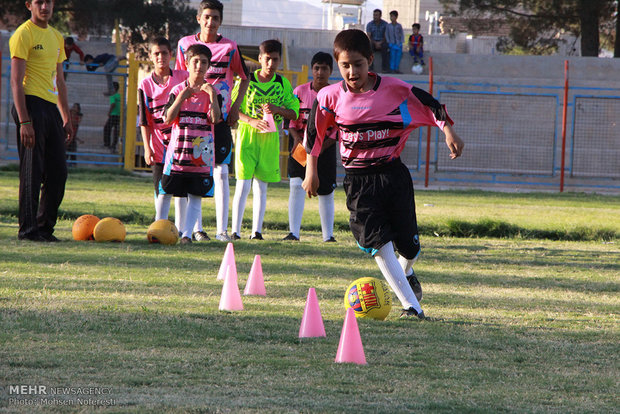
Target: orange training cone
[[256, 283], [311, 322], [350, 348], [227, 260], [231, 298]]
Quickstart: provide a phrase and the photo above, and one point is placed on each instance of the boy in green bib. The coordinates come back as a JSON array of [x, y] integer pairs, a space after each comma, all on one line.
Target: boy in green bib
[[268, 100]]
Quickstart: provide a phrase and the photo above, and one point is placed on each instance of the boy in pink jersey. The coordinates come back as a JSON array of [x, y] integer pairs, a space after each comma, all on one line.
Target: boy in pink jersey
[[375, 116], [192, 109], [322, 65], [153, 97], [225, 64]]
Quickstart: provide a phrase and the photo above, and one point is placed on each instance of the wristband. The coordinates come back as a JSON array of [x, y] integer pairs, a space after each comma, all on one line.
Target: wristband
[[25, 123]]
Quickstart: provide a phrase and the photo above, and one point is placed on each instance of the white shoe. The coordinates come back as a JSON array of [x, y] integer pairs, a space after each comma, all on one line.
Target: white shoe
[[223, 236]]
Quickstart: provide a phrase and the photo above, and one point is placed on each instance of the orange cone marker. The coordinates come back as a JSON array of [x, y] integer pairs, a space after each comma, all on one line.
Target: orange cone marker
[[312, 322], [231, 298], [227, 260], [350, 348], [256, 283]]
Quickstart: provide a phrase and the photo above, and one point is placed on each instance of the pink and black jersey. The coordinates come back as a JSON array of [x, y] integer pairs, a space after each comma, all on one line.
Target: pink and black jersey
[[153, 99], [373, 126], [306, 96], [191, 145], [226, 60]]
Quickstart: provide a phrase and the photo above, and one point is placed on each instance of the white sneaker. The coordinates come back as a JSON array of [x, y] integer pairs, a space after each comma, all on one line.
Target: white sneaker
[[223, 236]]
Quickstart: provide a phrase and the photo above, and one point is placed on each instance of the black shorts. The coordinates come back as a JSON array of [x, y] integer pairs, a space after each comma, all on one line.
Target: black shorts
[[158, 170], [182, 184], [223, 143], [326, 168], [382, 207]]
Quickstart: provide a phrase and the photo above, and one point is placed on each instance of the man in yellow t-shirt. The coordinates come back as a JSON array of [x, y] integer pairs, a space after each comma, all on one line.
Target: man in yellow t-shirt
[[39, 92]]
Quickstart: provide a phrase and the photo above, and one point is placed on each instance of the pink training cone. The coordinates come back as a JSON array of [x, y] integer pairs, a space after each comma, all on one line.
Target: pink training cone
[[228, 260], [350, 348], [256, 283], [312, 322], [231, 298]]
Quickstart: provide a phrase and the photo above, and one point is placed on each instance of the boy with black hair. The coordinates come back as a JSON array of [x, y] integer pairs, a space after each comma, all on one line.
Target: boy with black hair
[[153, 92], [322, 65], [113, 123], [395, 37], [108, 62], [375, 116], [416, 44], [268, 100], [226, 62], [193, 108]]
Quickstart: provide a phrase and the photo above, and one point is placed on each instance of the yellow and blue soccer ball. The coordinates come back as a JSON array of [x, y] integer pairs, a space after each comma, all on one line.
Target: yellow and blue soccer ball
[[369, 297]]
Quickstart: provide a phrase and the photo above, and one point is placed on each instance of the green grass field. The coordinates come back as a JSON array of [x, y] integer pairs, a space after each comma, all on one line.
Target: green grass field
[[521, 291]]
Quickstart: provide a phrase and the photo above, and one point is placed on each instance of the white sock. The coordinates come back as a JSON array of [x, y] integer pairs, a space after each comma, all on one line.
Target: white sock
[[326, 212], [394, 275], [193, 214], [407, 264], [259, 206], [162, 206], [198, 223], [222, 196], [242, 189], [296, 202], [180, 211]]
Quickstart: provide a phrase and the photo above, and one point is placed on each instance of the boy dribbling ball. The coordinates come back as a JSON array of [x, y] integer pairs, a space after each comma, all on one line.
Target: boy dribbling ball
[[192, 109], [375, 116]]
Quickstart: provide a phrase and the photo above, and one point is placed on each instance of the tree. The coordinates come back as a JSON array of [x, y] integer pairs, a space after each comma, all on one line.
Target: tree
[[537, 26], [139, 18]]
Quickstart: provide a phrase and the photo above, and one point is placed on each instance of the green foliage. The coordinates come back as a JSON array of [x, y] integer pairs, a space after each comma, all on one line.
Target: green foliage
[[538, 26]]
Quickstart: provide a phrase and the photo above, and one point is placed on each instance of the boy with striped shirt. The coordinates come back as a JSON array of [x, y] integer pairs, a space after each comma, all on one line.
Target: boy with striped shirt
[[375, 116], [154, 91], [226, 62], [193, 108]]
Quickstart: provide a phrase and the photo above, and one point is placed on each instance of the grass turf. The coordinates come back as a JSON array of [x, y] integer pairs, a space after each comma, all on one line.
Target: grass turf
[[517, 324]]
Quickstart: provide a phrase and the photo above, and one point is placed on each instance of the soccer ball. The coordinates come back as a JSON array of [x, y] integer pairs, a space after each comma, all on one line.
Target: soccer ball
[[109, 229], [84, 226], [417, 69], [369, 297], [162, 231]]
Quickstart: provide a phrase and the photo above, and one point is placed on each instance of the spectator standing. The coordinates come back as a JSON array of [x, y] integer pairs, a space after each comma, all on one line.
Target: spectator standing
[[114, 120], [395, 37], [41, 114], [375, 29]]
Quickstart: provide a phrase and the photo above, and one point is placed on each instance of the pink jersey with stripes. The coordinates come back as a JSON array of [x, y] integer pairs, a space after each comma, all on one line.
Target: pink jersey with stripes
[[153, 99], [374, 125], [191, 146], [226, 61], [307, 96]]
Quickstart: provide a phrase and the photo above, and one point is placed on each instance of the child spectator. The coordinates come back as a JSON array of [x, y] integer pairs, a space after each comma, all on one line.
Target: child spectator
[[416, 44], [375, 115], [153, 94], [75, 117], [109, 63], [114, 120], [225, 64], [269, 96], [322, 65], [395, 38], [193, 108], [71, 47]]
